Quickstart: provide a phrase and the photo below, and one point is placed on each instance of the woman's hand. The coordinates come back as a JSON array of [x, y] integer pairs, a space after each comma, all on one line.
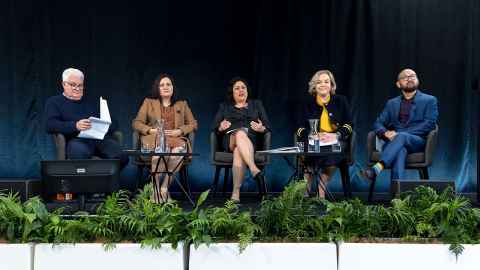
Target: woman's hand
[[327, 137], [152, 131], [258, 127], [173, 132], [224, 125]]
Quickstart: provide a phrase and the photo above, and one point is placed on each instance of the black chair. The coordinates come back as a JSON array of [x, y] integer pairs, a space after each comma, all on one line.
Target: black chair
[[60, 144], [349, 149], [143, 163], [222, 159], [415, 161]]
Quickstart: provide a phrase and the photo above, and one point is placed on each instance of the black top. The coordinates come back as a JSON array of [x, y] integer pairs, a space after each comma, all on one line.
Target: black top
[[62, 114], [338, 112], [241, 117]]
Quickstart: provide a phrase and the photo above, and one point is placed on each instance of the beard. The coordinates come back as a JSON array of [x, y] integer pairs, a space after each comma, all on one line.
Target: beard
[[410, 87]]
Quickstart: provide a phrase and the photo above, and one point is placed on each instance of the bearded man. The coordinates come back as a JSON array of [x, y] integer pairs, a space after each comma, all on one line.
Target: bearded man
[[403, 125]]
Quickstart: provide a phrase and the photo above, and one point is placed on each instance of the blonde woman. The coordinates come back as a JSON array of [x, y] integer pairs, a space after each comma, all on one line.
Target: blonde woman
[[335, 123]]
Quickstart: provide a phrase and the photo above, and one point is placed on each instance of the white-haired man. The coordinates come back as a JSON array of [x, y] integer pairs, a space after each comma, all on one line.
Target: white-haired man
[[68, 114]]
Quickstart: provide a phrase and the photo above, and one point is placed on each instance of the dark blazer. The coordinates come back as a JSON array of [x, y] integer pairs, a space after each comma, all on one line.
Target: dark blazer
[[338, 112], [423, 116], [241, 118]]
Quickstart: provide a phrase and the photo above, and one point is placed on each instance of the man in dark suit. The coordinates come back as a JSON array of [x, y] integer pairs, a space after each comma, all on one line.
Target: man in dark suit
[[403, 125]]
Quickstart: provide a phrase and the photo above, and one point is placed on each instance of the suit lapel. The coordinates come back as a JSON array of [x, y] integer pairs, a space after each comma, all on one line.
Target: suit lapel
[[396, 110], [414, 106], [157, 110]]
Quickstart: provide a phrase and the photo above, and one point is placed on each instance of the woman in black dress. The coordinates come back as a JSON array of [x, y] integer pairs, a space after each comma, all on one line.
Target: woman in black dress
[[335, 124], [240, 120]]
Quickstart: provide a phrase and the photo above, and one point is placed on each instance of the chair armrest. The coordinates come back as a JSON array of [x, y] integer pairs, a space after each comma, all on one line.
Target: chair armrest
[[370, 144], [430, 146], [135, 140], [118, 136], [213, 145], [60, 145], [267, 140]]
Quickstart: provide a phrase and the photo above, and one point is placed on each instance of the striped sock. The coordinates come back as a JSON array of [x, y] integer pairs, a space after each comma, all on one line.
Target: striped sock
[[378, 167]]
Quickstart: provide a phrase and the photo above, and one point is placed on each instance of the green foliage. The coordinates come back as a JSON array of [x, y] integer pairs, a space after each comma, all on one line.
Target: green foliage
[[421, 214], [291, 216]]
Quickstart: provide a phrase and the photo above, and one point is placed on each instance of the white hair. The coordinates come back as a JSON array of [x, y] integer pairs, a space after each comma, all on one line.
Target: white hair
[[71, 71]]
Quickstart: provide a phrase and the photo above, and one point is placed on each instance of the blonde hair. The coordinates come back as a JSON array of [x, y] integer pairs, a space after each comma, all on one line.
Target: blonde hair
[[315, 78]]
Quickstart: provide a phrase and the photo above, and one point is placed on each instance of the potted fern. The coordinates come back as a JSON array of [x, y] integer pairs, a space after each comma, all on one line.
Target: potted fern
[[421, 229], [284, 228], [127, 234]]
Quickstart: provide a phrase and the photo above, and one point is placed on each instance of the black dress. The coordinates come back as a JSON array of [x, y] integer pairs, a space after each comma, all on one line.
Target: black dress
[[241, 118]]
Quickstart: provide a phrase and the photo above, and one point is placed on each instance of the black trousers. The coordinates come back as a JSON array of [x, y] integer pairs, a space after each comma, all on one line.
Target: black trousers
[[109, 148]]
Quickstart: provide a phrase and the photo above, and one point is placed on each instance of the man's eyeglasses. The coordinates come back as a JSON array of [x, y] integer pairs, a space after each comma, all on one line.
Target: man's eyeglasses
[[409, 77], [74, 85]]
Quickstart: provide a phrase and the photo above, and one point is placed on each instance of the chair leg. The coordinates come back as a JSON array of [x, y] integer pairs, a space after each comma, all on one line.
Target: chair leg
[[372, 188], [215, 180], [226, 178], [139, 177], [345, 175], [423, 172], [184, 180]]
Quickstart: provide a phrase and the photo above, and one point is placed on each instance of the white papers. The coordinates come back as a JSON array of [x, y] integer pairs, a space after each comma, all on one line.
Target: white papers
[[99, 125], [329, 143], [104, 113], [312, 142], [291, 149]]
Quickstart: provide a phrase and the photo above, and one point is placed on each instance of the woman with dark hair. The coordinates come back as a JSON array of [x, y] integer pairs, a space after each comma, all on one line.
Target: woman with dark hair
[[335, 124], [240, 119], [178, 122]]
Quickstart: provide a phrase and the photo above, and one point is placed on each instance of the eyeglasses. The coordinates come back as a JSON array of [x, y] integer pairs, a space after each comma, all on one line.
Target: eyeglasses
[[409, 77], [74, 85]]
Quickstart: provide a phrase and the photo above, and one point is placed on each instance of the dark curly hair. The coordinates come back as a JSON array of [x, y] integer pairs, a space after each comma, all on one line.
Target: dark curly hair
[[155, 91], [231, 83]]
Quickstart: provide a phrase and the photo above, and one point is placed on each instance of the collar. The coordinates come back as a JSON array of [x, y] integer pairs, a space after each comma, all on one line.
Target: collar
[[320, 101], [417, 93], [71, 99]]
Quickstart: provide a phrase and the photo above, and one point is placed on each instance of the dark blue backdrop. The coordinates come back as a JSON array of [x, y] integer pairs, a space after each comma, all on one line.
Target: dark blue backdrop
[[277, 45]]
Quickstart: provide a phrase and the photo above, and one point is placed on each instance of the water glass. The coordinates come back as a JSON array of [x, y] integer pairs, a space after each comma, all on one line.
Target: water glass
[[146, 148], [300, 146]]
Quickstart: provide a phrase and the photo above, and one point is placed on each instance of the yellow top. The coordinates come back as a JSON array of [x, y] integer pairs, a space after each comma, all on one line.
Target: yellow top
[[325, 125]]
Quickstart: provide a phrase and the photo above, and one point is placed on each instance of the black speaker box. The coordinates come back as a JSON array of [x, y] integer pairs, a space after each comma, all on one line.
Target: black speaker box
[[400, 186], [26, 188]]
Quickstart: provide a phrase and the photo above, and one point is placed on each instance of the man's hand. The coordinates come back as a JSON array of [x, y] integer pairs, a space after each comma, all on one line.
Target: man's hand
[[83, 124], [390, 134], [173, 132], [224, 125], [258, 127]]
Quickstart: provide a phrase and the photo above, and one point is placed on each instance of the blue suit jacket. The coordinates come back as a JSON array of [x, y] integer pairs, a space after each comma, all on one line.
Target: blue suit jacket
[[423, 116]]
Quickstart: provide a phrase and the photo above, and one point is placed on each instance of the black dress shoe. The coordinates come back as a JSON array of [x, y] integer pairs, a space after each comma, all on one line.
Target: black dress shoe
[[260, 177]]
